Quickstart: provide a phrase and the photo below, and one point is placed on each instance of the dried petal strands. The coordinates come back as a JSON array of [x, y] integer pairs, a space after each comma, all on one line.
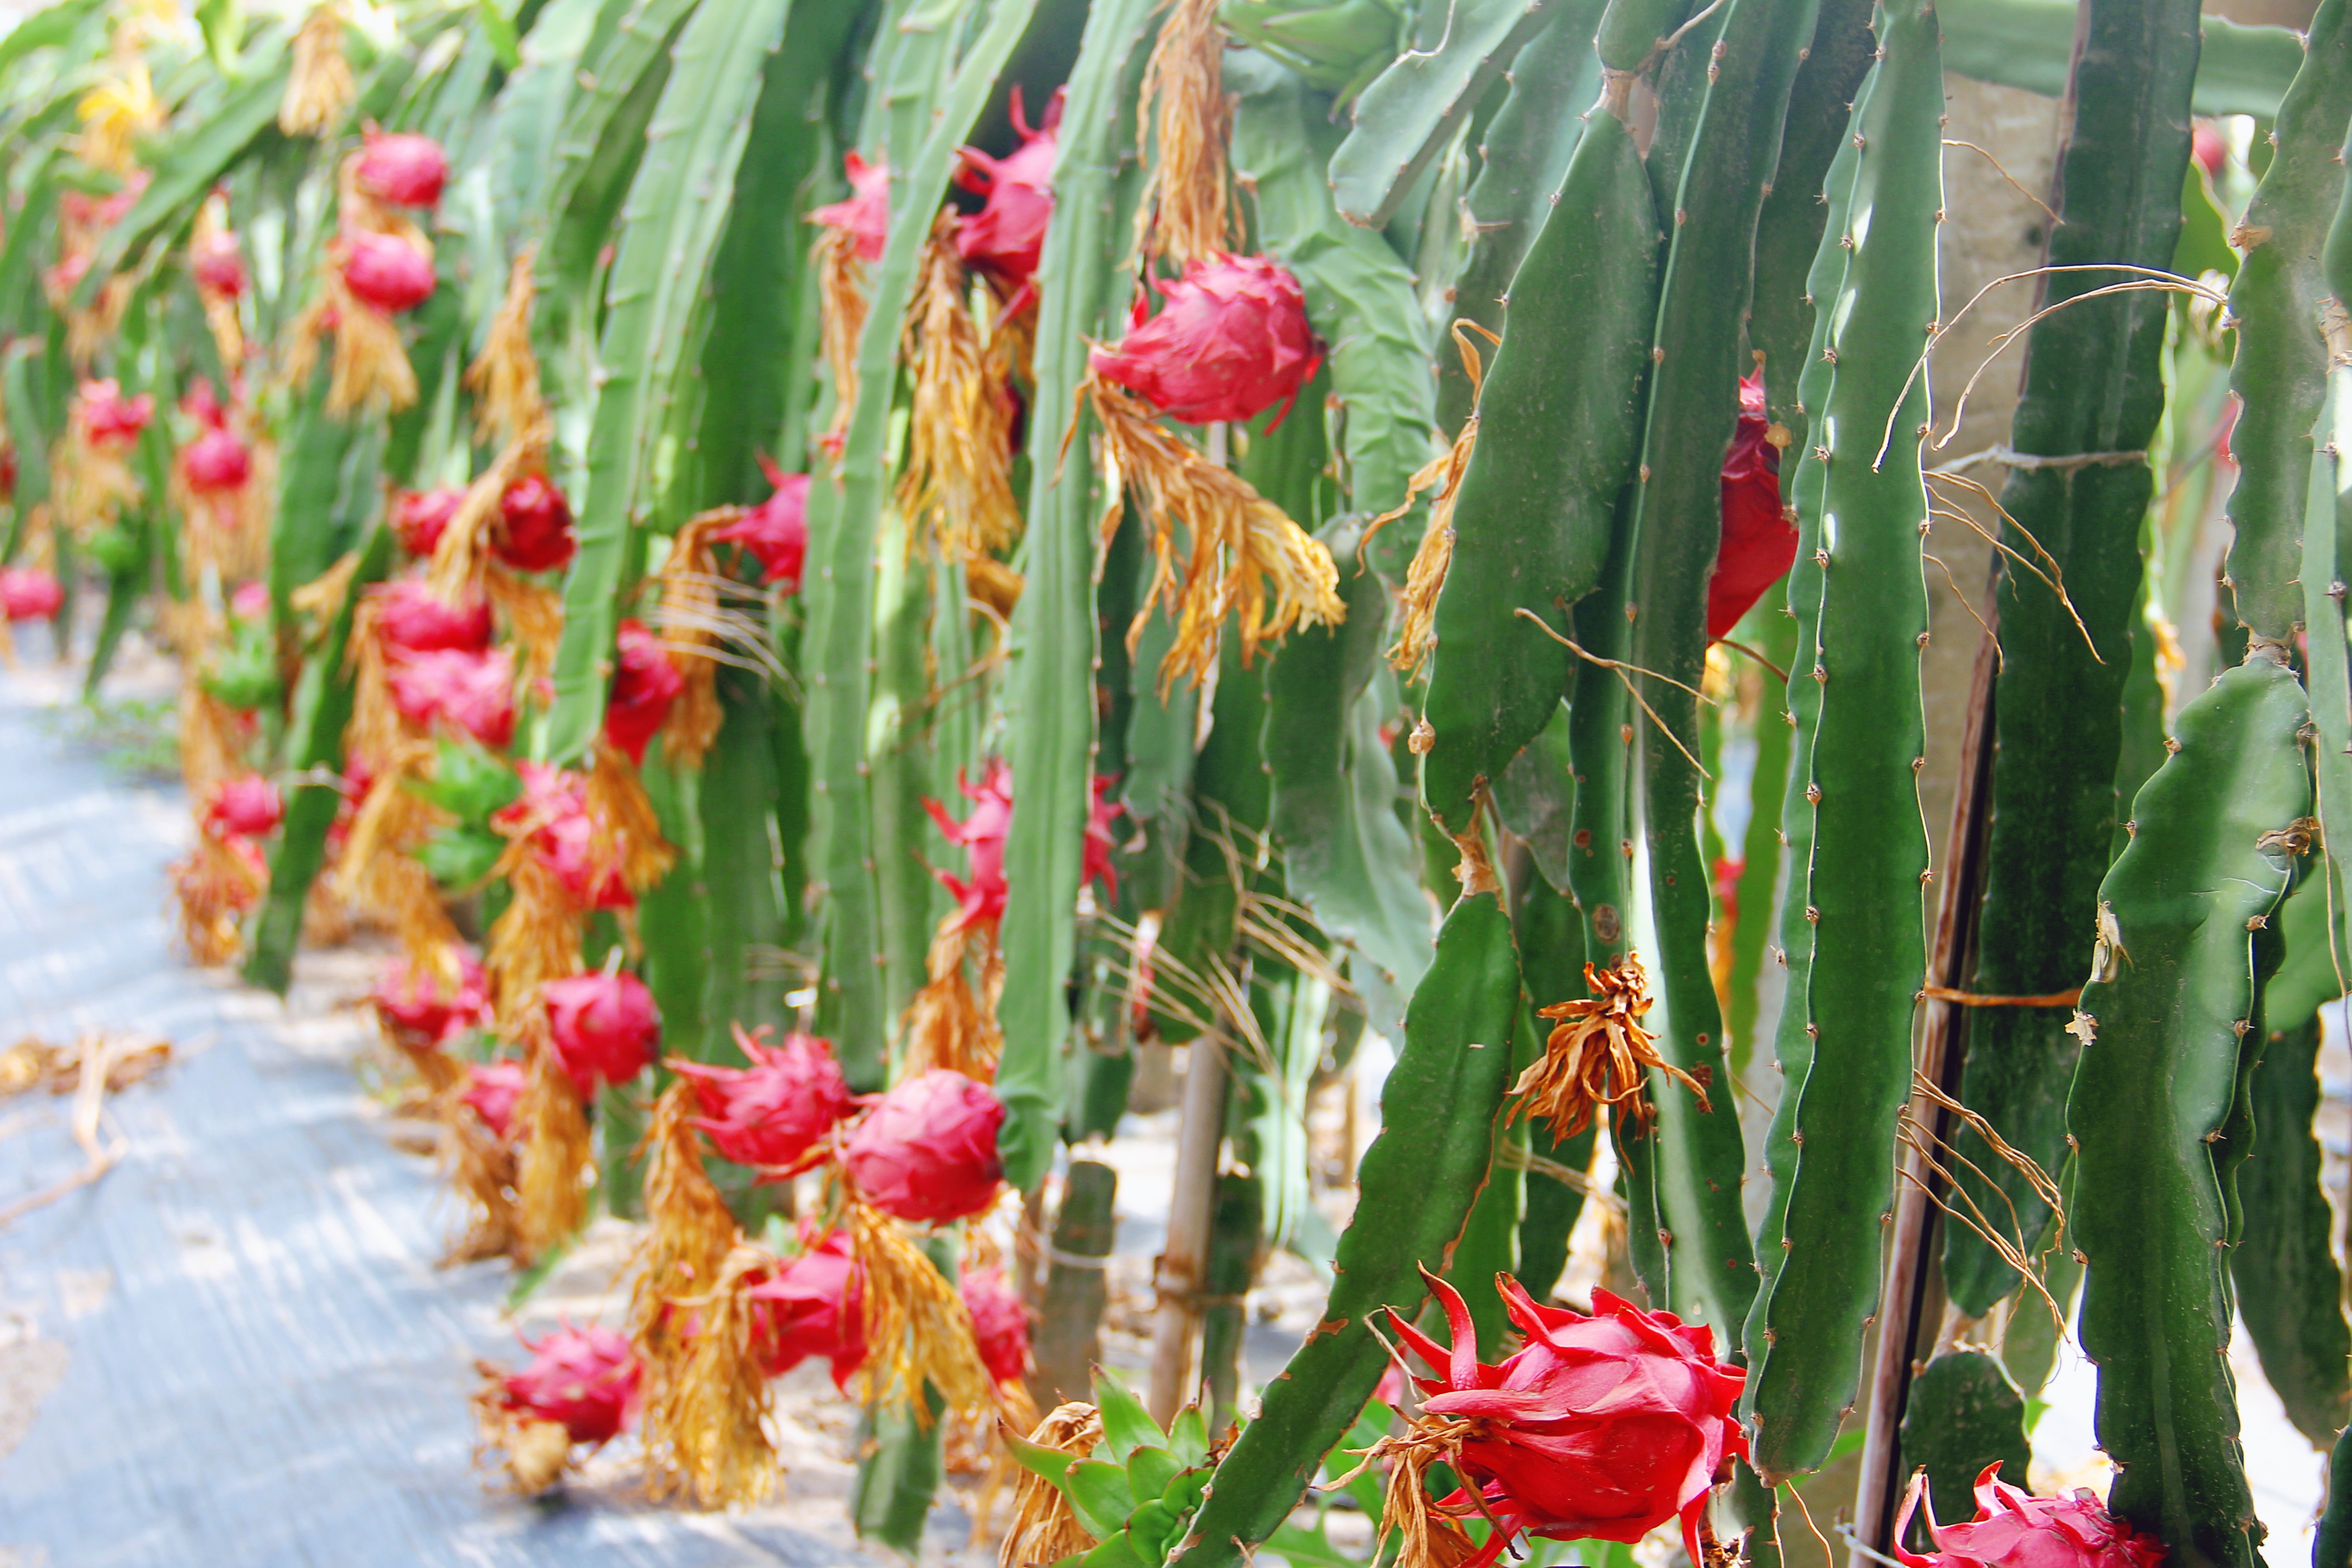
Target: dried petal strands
[[319, 89], [1417, 626], [957, 486], [1186, 211], [222, 879], [216, 262], [581, 1388], [1598, 1055], [1243, 553], [504, 379], [855, 233], [915, 1325], [774, 1114], [222, 484], [2014, 1528], [689, 1235], [691, 619], [712, 1417], [1043, 1530], [554, 1156], [82, 222], [950, 1022], [378, 874], [1599, 1428], [93, 482]]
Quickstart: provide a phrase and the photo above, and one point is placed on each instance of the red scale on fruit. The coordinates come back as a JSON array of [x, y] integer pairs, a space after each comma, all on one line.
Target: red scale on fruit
[[472, 691], [1230, 342], [775, 531], [386, 271], [1759, 542], [2014, 1528], [645, 684], [812, 1305], [774, 1114], [980, 900], [1007, 235], [420, 517], [411, 618], [604, 1029], [583, 1380], [927, 1151], [865, 216], [418, 1004], [1600, 1428]]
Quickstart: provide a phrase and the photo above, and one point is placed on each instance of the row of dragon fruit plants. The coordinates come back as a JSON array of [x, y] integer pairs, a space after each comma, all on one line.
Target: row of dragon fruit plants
[[611, 474]]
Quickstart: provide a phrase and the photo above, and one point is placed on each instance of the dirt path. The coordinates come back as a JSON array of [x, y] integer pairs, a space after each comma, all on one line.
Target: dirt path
[[237, 1348]]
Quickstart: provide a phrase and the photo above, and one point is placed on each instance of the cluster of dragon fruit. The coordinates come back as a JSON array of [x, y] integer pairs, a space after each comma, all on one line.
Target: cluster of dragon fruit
[[513, 887]]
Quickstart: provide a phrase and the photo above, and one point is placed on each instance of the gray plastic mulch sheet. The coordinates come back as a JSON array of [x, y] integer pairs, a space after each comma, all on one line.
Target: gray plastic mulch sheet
[[237, 1348]]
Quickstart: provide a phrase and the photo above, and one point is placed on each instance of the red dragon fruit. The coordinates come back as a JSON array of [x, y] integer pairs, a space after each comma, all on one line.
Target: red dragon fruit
[[1232, 340], [386, 271], [776, 530], [29, 594], [1600, 1428], [492, 1091], [417, 1004], [1097, 865], [245, 807], [603, 1027], [813, 1306], [981, 834], [645, 684], [865, 216], [1758, 542], [1000, 1323], [218, 265], [773, 1113], [249, 601], [418, 517], [583, 1380], [473, 693], [2014, 1528], [108, 419], [1007, 234], [402, 168], [590, 876], [215, 463], [927, 1150], [411, 618], [534, 530]]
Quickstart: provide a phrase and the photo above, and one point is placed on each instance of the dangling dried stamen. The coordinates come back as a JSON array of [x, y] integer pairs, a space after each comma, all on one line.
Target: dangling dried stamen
[[688, 618], [378, 874], [217, 883], [505, 379], [1186, 213], [948, 1024], [555, 1156], [1417, 628], [1043, 1530], [482, 1172], [690, 1235], [624, 819], [1600, 1055], [959, 475], [371, 368], [534, 1454], [462, 555], [1432, 1539], [712, 1414], [319, 89], [1245, 552], [916, 1325], [537, 939], [841, 316]]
